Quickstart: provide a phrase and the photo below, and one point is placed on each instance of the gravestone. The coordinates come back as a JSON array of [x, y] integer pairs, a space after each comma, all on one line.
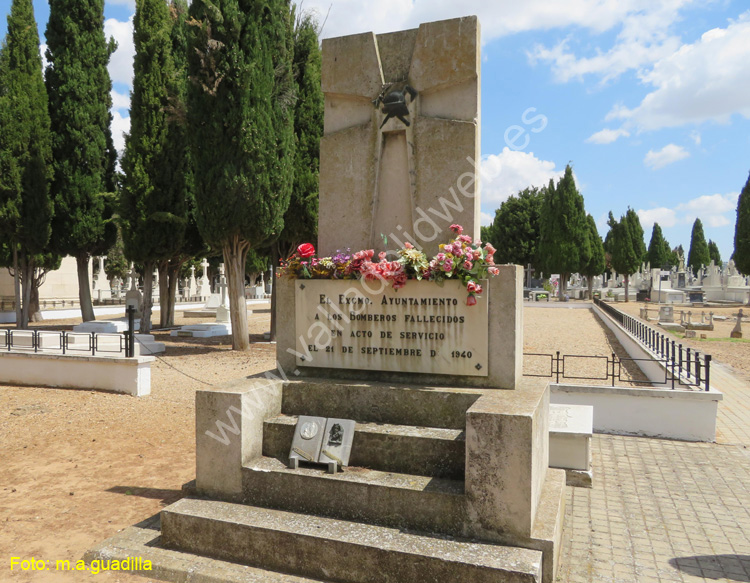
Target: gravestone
[[737, 330], [204, 288], [133, 297], [192, 285], [666, 314]]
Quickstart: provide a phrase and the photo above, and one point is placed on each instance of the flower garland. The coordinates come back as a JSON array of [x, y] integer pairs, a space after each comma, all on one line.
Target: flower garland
[[461, 259]]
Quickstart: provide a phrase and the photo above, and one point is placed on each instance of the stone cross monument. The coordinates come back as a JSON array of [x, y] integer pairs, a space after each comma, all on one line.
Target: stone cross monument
[[409, 176]]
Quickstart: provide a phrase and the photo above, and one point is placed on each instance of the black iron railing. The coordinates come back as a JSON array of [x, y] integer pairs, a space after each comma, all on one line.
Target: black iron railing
[[686, 366], [62, 341]]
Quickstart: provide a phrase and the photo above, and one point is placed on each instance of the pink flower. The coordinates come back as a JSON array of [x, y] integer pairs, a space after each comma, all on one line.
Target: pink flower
[[471, 300], [477, 254], [493, 270], [448, 265], [465, 239], [471, 287], [440, 257], [458, 229], [306, 250], [457, 251], [468, 265], [448, 248], [489, 248], [490, 259], [408, 245], [382, 255]]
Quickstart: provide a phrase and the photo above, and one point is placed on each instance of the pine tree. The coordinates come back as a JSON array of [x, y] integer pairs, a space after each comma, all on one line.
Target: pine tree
[[154, 199], [25, 158], [515, 230], [79, 86], [596, 263], [563, 230], [658, 249], [713, 252], [698, 254], [241, 119], [742, 231]]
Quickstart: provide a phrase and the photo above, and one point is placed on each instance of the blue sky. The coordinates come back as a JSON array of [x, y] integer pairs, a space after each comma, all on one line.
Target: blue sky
[[649, 101]]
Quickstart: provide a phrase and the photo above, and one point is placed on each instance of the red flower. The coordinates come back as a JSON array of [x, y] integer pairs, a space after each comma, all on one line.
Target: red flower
[[471, 300], [458, 229], [306, 250]]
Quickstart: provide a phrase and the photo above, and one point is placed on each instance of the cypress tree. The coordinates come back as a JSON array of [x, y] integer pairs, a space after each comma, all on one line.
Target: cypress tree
[[657, 249], [713, 252], [626, 253], [25, 157], [742, 231], [241, 120], [596, 263], [698, 254], [79, 86], [515, 230], [154, 204], [301, 217], [563, 230]]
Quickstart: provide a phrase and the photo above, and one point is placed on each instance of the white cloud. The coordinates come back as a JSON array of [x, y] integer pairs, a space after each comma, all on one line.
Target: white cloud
[[121, 62], [714, 210], [643, 39], [120, 101], [664, 216], [120, 127], [710, 209], [708, 80], [498, 18], [607, 136], [667, 155], [695, 135], [509, 172]]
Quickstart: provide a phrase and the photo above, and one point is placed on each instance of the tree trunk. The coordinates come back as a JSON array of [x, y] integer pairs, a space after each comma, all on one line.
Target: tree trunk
[[627, 282], [173, 273], [84, 288], [35, 314], [148, 284], [163, 267], [563, 286], [235, 254], [28, 282], [274, 263], [17, 286], [590, 282]]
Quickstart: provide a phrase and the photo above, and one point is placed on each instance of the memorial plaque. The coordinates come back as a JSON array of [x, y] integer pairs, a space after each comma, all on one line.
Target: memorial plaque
[[308, 437], [337, 442], [421, 328]]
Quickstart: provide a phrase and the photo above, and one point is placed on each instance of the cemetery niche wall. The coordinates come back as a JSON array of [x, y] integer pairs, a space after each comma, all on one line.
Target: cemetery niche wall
[[448, 476]]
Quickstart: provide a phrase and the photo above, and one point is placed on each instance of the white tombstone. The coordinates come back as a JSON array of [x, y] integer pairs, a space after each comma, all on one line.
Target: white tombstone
[[192, 285], [222, 311], [204, 288]]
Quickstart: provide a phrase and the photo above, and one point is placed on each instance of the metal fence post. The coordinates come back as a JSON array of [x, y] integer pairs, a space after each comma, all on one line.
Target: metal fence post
[[130, 338], [708, 369]]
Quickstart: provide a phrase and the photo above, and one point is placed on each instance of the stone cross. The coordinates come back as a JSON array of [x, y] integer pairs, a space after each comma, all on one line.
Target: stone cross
[[402, 161]]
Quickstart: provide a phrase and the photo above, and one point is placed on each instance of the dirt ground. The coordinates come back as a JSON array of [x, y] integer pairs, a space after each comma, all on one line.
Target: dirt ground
[[734, 353], [77, 466]]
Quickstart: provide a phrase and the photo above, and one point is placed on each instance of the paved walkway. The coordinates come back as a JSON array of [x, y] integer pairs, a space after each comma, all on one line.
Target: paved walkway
[[664, 510]]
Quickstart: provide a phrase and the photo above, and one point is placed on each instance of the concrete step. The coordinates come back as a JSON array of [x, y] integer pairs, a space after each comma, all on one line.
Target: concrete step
[[138, 549], [336, 550], [380, 403], [435, 505], [424, 451]]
